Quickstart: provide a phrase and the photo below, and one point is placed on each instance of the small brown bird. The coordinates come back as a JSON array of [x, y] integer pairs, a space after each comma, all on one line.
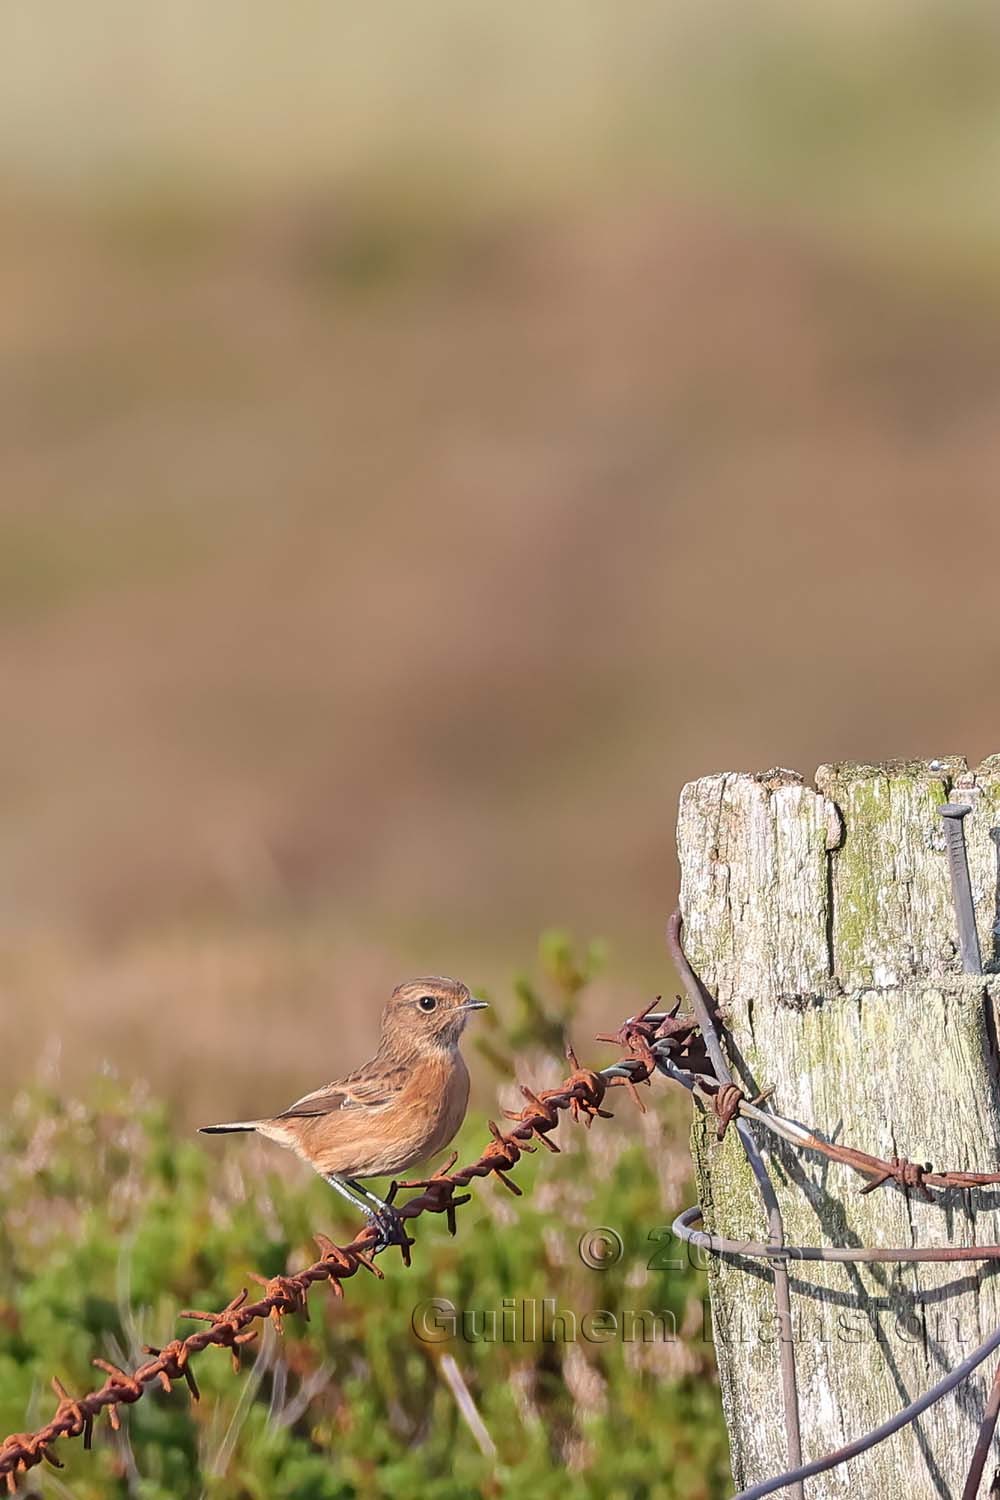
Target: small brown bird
[[400, 1108]]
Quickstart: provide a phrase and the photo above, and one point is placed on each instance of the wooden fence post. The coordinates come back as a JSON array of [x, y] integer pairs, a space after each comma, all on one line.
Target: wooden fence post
[[822, 921]]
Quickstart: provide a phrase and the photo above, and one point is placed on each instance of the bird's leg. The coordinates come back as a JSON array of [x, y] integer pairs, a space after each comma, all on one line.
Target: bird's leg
[[381, 1214], [339, 1184]]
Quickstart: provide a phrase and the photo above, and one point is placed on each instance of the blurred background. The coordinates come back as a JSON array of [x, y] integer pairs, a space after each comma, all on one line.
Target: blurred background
[[430, 435]]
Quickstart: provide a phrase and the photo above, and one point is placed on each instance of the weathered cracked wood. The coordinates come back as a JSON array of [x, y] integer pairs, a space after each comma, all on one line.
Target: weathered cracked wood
[[822, 920]]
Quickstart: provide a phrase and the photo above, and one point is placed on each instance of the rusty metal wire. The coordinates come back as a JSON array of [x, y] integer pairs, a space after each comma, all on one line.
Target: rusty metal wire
[[581, 1094], [651, 1039]]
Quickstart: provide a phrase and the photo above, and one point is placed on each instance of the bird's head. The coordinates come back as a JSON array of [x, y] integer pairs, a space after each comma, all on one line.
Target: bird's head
[[429, 1012]]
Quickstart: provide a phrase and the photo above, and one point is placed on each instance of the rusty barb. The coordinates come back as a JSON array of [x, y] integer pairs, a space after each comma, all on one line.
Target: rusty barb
[[685, 1048]]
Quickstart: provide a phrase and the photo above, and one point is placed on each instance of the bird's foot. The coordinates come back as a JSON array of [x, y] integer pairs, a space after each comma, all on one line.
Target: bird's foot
[[387, 1221]]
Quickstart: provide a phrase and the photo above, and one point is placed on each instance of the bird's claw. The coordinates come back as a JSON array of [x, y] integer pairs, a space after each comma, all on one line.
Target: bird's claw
[[386, 1220]]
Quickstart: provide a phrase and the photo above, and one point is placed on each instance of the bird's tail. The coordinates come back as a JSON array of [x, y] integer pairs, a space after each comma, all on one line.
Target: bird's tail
[[227, 1129]]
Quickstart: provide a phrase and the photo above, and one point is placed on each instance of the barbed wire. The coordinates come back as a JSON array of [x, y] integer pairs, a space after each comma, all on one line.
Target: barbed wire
[[686, 1049], [581, 1094]]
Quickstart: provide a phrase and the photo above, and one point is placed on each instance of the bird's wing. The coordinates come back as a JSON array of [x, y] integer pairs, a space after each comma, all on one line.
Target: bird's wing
[[365, 1089]]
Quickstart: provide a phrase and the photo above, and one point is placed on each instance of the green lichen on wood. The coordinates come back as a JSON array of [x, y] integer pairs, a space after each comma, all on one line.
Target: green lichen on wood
[[889, 878]]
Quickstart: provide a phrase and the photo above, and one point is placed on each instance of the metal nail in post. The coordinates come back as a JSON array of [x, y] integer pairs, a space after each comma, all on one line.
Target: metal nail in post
[[961, 886]]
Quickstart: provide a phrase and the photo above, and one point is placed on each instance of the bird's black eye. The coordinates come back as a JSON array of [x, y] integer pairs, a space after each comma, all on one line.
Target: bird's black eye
[[427, 1002]]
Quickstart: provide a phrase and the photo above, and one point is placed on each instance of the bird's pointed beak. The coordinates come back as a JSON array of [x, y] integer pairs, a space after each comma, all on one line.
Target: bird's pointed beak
[[474, 1004]]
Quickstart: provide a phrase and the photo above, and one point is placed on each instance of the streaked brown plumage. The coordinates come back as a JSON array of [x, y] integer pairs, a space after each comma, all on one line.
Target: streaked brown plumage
[[400, 1108]]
